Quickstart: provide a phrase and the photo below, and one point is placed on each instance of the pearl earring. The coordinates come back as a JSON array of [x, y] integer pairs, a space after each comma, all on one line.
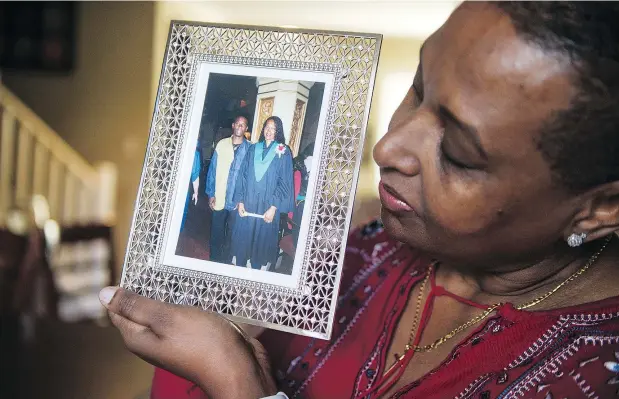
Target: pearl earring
[[576, 240]]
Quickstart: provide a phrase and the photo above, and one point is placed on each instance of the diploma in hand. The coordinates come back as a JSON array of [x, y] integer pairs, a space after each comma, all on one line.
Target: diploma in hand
[[253, 215]]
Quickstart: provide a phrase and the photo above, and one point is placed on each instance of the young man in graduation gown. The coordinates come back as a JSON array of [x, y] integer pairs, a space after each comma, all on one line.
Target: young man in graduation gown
[[265, 187], [221, 181]]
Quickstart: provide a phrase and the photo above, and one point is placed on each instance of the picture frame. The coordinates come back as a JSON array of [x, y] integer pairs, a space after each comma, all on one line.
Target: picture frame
[[271, 264]]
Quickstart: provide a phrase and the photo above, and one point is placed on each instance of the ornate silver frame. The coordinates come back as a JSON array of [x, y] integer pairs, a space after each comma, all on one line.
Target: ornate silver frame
[[308, 309]]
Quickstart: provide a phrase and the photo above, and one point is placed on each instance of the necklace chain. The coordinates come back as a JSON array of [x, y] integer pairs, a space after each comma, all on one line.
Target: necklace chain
[[426, 348]]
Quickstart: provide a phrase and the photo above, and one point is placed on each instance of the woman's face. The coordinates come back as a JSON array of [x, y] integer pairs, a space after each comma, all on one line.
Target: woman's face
[[461, 174], [269, 130]]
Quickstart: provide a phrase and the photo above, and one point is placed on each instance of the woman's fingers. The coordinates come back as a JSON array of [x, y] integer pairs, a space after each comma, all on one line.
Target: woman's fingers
[[134, 328], [155, 315], [138, 338]]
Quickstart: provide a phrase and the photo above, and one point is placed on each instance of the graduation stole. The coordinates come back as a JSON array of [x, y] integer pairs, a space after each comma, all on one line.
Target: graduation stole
[[261, 165]]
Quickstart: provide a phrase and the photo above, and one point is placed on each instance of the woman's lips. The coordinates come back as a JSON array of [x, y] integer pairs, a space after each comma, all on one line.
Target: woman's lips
[[391, 202]]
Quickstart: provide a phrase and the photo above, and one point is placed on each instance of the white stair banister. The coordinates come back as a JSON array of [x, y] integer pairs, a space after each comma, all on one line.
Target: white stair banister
[[41, 169], [7, 157], [55, 187], [107, 182], [71, 198], [35, 160], [24, 166]]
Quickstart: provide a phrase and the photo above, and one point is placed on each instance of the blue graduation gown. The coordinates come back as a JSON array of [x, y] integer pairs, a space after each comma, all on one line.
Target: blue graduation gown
[[253, 238], [195, 173]]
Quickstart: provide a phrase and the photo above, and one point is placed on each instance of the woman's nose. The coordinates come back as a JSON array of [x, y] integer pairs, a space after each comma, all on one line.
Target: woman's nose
[[399, 148]]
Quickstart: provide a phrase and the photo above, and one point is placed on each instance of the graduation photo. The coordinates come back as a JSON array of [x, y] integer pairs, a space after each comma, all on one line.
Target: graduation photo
[[251, 171]]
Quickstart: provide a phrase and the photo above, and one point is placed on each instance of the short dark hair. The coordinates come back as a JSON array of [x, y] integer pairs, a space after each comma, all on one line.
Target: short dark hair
[[241, 117], [279, 130], [581, 143]]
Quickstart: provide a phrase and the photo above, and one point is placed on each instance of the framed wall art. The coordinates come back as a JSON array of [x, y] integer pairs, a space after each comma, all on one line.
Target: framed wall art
[[250, 172]]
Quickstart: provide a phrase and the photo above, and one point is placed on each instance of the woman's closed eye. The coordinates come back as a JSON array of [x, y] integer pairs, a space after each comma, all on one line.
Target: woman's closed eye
[[449, 160]]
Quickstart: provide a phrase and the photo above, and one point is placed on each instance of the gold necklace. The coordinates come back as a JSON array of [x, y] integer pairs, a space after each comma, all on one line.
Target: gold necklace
[[426, 348]]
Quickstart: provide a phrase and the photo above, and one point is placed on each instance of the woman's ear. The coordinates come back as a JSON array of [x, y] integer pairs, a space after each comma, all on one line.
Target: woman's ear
[[599, 215]]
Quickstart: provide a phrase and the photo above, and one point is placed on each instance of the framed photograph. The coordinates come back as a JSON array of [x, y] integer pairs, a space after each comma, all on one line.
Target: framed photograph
[[250, 172]]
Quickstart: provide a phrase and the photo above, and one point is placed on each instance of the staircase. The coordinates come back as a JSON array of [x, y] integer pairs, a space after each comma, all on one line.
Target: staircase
[[35, 160], [46, 187]]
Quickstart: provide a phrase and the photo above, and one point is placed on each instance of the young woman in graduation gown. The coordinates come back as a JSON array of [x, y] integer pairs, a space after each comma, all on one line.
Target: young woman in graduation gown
[[265, 187]]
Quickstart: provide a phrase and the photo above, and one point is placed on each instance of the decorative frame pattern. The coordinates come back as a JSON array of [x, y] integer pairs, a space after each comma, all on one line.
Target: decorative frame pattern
[[308, 309]]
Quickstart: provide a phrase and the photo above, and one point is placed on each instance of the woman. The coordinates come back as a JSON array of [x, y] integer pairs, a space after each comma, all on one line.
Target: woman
[[495, 274], [264, 188]]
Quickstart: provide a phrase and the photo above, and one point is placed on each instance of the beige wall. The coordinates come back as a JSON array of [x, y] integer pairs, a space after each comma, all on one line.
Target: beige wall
[[404, 25], [103, 108]]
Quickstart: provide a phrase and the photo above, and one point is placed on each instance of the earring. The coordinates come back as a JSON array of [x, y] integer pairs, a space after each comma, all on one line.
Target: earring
[[576, 240]]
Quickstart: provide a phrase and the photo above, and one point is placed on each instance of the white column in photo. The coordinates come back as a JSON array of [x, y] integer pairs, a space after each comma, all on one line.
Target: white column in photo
[[286, 99]]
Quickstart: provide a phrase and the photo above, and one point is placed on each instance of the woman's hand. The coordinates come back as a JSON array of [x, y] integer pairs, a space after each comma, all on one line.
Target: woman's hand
[[241, 209], [269, 214], [196, 345]]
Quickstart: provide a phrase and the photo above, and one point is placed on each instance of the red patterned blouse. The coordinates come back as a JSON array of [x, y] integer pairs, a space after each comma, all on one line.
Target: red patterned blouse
[[564, 353]]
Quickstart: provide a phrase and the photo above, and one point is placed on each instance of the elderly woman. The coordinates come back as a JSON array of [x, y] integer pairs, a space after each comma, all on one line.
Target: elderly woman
[[497, 275]]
